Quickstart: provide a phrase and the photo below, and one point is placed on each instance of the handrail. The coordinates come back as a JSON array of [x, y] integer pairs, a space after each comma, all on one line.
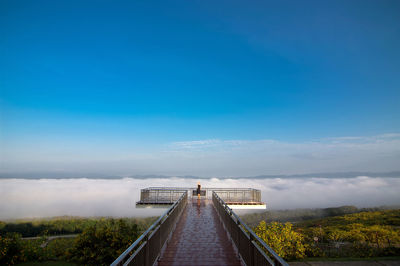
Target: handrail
[[151, 231], [270, 258], [189, 188], [167, 195]]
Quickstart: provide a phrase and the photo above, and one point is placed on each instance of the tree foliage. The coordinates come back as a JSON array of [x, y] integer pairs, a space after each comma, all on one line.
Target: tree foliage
[[61, 225], [103, 242], [10, 249], [286, 242], [363, 234]]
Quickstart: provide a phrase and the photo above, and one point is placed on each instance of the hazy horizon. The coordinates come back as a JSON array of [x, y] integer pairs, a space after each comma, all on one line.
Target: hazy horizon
[[72, 175], [232, 158]]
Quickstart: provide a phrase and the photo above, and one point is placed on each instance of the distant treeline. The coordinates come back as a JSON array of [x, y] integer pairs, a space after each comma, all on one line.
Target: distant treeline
[[298, 215], [61, 225]]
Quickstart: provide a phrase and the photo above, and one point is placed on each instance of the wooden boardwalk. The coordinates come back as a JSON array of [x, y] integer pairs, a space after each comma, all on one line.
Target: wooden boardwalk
[[199, 239]]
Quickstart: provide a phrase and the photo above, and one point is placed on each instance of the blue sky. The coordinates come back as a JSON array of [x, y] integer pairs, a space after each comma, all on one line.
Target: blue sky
[[97, 82]]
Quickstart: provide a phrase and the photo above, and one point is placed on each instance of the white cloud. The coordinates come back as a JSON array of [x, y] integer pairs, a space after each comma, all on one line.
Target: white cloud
[[103, 197], [195, 144]]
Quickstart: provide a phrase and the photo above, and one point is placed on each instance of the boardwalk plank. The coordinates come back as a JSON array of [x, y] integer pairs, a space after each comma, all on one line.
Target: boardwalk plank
[[199, 239]]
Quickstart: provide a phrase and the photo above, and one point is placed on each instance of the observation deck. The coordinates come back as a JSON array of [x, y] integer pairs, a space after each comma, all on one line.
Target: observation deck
[[199, 229], [235, 198]]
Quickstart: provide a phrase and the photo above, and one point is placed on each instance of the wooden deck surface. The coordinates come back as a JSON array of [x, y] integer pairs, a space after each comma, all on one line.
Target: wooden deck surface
[[199, 239]]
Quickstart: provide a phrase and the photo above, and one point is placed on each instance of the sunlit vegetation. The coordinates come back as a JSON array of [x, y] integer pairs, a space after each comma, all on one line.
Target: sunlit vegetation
[[98, 242], [298, 215], [285, 241], [363, 234]]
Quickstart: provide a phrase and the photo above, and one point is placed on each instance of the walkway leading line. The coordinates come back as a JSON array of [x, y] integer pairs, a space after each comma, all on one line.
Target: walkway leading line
[[199, 239]]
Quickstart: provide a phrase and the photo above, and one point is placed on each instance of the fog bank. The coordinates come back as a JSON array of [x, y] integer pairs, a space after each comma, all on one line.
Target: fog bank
[[21, 198]]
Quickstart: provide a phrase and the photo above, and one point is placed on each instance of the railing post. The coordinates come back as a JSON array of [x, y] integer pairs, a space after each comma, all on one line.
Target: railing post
[[251, 250], [237, 233], [146, 252]]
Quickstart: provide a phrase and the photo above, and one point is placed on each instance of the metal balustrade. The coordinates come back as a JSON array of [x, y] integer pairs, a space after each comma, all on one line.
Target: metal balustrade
[[160, 195], [168, 195], [147, 248], [253, 250], [239, 196]]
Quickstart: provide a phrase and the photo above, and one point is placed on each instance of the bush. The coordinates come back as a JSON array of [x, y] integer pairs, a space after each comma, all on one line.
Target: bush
[[282, 239], [103, 242], [10, 249]]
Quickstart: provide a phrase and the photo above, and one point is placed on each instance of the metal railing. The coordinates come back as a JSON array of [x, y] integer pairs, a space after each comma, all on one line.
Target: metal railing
[[235, 195], [147, 248], [168, 195], [160, 195], [252, 249]]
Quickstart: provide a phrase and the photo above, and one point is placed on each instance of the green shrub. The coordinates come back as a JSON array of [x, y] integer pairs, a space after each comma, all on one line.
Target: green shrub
[[10, 249], [103, 242], [286, 242]]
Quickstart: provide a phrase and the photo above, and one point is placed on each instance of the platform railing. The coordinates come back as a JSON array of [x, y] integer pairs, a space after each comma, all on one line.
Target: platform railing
[[235, 195], [147, 248], [252, 249], [160, 196], [168, 195]]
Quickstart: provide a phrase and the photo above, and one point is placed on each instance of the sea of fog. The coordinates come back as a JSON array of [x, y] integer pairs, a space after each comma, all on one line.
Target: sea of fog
[[23, 198]]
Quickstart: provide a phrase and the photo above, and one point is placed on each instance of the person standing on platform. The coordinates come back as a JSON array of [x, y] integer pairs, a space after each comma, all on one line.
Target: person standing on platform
[[198, 190]]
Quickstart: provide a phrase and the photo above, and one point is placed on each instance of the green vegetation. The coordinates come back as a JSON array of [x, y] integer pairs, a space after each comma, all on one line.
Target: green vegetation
[[60, 225], [298, 215], [99, 242], [286, 242], [362, 234], [103, 243]]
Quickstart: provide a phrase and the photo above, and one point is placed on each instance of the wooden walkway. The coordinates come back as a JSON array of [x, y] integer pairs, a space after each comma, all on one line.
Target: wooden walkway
[[199, 239]]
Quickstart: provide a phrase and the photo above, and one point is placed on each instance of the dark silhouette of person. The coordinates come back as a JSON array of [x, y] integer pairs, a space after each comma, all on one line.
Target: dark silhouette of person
[[198, 190]]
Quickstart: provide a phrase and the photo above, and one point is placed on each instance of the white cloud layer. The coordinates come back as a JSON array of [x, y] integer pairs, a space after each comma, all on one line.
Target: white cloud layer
[[103, 197]]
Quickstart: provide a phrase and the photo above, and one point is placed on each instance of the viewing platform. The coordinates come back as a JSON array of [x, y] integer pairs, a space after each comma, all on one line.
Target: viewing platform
[[236, 198], [199, 228], [199, 239]]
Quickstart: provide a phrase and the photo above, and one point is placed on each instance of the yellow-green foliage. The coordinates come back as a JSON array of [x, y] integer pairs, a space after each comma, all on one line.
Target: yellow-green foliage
[[361, 234], [389, 217], [286, 242], [380, 228]]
